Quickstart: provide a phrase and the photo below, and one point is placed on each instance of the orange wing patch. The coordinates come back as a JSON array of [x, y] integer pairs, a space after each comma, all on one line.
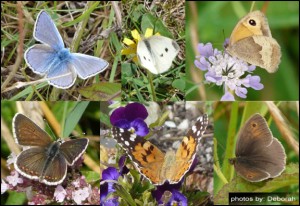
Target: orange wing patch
[[155, 165]]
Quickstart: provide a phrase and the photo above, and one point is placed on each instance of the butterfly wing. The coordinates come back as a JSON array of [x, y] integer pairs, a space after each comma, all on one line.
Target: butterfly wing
[[87, 66], [63, 75], [31, 164], [245, 27], [27, 133], [147, 158], [257, 148], [187, 150], [39, 58], [73, 149], [46, 32], [268, 56], [146, 56], [157, 53], [250, 173]]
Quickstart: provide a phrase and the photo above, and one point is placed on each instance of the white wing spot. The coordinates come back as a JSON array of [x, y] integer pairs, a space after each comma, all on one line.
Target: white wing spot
[[132, 137], [126, 143], [194, 129]]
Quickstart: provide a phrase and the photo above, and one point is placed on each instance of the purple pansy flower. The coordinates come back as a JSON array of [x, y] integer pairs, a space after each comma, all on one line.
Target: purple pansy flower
[[106, 188], [223, 70], [131, 117], [176, 197]]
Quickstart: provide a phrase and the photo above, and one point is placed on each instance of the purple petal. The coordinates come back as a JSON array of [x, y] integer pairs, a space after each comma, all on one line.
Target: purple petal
[[117, 115], [122, 167], [205, 50], [157, 194], [122, 123], [251, 68], [202, 64], [110, 173], [134, 111], [241, 92], [253, 82], [177, 197], [140, 127], [211, 77], [110, 202], [227, 97]]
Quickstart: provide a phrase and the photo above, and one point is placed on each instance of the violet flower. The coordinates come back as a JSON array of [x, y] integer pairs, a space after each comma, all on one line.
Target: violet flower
[[131, 117], [106, 188], [223, 70], [176, 197]]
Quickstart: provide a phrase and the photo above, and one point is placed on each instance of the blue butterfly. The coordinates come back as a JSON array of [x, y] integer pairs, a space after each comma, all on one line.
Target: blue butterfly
[[55, 61]]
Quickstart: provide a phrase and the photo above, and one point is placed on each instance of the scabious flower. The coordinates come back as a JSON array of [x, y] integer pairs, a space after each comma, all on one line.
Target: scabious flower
[[131, 117], [131, 48], [223, 70]]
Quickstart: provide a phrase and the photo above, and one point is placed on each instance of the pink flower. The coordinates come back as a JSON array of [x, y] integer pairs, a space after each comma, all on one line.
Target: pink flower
[[60, 193], [14, 180], [81, 195]]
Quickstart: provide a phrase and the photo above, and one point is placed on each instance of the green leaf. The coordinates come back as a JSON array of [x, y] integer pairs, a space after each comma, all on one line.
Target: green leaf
[[73, 118], [290, 177], [179, 84], [16, 198], [91, 176], [103, 91]]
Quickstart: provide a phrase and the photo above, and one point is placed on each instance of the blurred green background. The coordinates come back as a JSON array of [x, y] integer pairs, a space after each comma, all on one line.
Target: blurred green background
[[214, 21]]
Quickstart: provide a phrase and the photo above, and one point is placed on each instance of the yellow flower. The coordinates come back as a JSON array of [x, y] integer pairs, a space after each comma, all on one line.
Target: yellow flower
[[131, 48]]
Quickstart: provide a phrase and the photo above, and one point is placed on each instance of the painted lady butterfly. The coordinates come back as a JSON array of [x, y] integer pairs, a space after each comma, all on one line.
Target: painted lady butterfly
[[155, 165]]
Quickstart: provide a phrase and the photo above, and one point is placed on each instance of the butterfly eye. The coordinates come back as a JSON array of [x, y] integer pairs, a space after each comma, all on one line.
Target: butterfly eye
[[252, 22]]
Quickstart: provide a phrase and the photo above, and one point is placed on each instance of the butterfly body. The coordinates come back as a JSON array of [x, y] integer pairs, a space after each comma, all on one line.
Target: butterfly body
[[155, 165]]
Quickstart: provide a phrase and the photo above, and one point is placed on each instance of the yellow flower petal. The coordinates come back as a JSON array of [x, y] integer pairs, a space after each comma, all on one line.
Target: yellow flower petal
[[128, 51], [136, 36], [128, 42], [149, 32]]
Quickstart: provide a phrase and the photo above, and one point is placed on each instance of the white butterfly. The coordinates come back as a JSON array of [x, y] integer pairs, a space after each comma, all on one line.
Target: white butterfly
[[157, 53]]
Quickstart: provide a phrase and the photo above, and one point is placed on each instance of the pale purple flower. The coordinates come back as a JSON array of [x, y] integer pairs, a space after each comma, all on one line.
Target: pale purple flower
[[227, 97], [223, 70], [59, 193], [14, 179], [81, 195], [4, 186]]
